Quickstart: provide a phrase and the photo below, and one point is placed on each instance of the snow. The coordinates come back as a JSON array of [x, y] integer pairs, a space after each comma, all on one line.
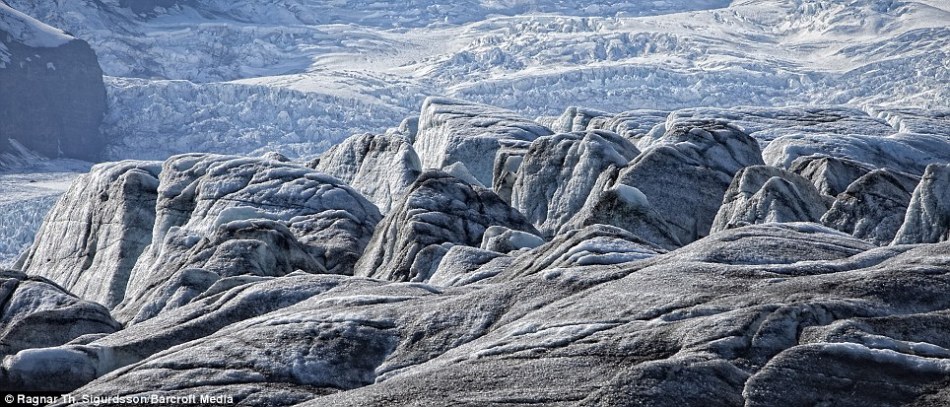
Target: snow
[[348, 67], [521, 240], [632, 196], [887, 356], [460, 171], [29, 31], [606, 251], [156, 119]]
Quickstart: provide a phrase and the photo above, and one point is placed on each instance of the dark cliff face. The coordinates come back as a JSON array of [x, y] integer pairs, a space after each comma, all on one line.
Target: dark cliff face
[[52, 100]]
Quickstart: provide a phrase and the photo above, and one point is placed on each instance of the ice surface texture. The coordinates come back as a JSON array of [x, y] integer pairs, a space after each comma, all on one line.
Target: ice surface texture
[[469, 255], [301, 75], [274, 283]]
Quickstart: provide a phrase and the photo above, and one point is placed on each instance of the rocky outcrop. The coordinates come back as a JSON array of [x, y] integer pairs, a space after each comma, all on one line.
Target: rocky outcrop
[[453, 131], [685, 173], [52, 97], [765, 194], [377, 166], [37, 313], [438, 211], [221, 216], [928, 216], [830, 175], [873, 206], [558, 173], [92, 237]]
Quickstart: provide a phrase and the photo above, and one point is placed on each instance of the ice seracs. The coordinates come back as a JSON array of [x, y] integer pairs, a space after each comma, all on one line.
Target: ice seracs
[[579, 119], [586, 267], [222, 216], [457, 297], [453, 131], [873, 206], [558, 172], [92, 237], [768, 123], [37, 313], [906, 152], [764, 194], [438, 211], [916, 120], [776, 244], [508, 161], [928, 215], [626, 207], [830, 175], [381, 167], [71, 365], [685, 170]]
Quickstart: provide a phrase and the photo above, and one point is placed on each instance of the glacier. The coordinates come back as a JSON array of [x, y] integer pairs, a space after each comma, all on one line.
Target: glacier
[[486, 203]]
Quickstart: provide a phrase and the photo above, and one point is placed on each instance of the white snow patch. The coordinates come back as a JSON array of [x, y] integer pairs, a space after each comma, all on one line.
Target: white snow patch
[[240, 213], [30, 31], [911, 362], [631, 195], [460, 171], [522, 240]]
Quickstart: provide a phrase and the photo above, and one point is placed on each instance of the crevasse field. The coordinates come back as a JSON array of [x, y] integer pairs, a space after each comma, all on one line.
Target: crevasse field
[[298, 76]]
